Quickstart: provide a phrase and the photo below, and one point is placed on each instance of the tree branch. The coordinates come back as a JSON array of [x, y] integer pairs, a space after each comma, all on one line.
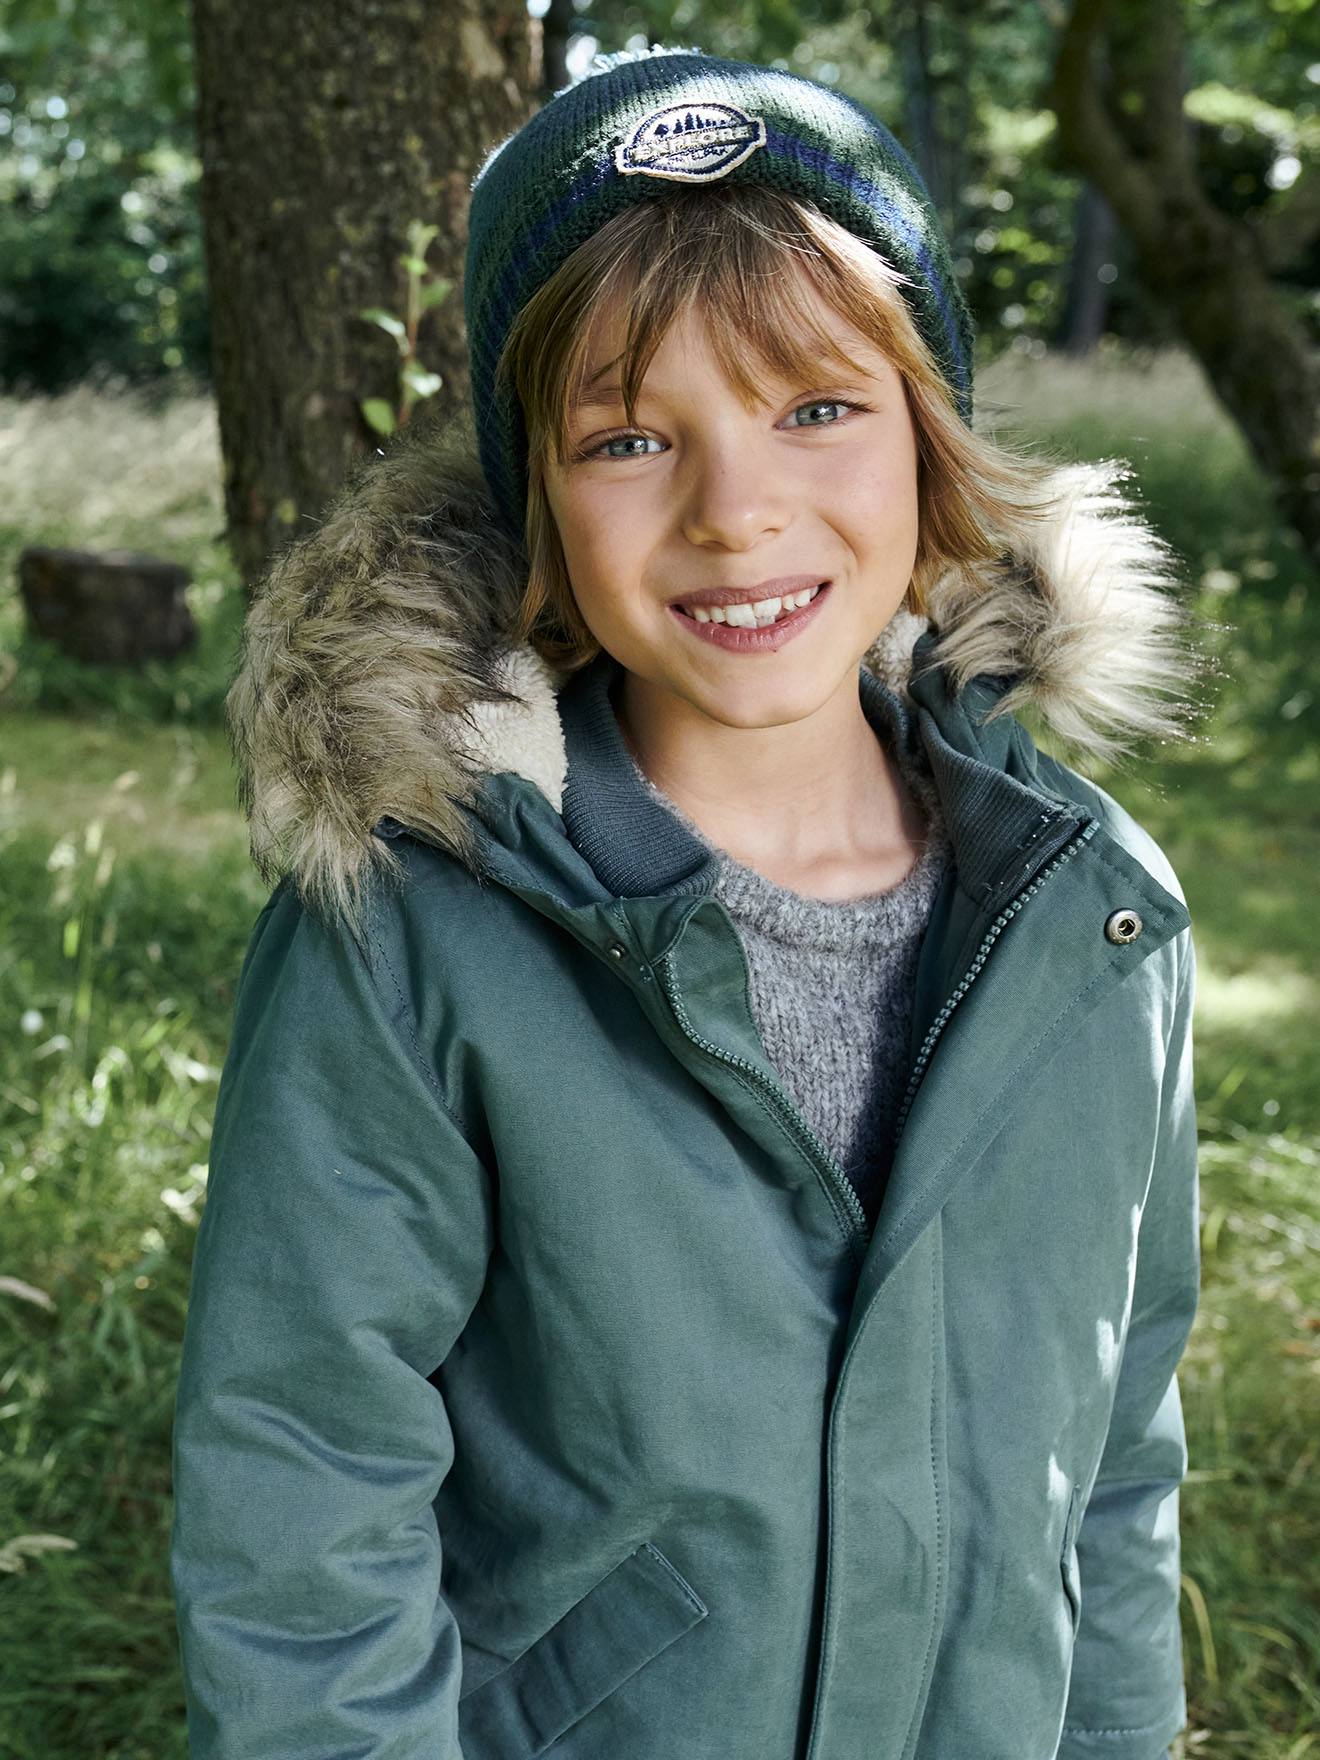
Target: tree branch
[[1146, 60], [1125, 129], [1087, 132]]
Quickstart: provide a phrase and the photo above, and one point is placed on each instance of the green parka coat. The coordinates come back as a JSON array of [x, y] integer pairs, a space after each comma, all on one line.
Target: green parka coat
[[542, 1390]]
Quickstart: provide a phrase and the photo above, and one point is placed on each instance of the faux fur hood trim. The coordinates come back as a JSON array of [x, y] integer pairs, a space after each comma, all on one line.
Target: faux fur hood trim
[[375, 677]]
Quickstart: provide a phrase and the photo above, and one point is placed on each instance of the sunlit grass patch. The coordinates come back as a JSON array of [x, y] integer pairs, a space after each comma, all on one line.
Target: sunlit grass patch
[[148, 790]]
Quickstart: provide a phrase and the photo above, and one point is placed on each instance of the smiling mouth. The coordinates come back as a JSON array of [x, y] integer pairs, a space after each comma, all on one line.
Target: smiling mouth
[[754, 614]]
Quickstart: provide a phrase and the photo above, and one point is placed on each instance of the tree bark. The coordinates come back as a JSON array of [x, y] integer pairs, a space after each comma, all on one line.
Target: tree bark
[[1087, 306], [1123, 126], [922, 127], [323, 132], [556, 30], [930, 42]]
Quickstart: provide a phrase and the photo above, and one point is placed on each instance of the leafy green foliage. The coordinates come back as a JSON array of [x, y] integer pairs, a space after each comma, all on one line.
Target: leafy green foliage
[[424, 290], [100, 233], [115, 1028], [101, 236], [961, 85]]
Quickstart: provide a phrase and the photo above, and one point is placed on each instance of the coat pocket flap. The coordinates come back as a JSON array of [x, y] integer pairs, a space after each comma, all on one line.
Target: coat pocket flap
[[621, 1623]]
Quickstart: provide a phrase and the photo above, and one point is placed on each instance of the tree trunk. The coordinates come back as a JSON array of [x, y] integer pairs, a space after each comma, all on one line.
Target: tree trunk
[[323, 132], [1124, 128], [922, 112], [1087, 306], [556, 29], [933, 44]]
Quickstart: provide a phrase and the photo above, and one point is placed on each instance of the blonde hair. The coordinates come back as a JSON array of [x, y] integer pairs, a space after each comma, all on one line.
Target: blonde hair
[[725, 250]]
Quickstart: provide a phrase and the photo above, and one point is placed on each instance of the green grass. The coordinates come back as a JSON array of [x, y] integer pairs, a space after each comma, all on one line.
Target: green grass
[[126, 899]]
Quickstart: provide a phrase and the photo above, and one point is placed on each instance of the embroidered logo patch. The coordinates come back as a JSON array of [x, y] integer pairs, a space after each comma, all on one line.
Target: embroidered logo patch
[[694, 142]]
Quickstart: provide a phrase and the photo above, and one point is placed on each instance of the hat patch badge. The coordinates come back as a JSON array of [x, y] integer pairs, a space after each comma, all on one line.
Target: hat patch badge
[[692, 142]]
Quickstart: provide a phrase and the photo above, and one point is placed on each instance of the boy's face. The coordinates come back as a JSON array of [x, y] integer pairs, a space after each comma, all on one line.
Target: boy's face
[[704, 494]]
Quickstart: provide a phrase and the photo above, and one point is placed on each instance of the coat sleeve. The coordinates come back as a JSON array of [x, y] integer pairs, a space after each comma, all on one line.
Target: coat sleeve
[[1126, 1698], [343, 1244]]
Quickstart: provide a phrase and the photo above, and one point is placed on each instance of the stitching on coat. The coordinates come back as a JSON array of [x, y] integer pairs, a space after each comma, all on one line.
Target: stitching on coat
[[840, 1215], [841, 1218], [838, 1505], [918, 1713], [1100, 977], [689, 1593], [1114, 868], [1136, 1729], [422, 1063], [829, 1639], [1130, 1479]]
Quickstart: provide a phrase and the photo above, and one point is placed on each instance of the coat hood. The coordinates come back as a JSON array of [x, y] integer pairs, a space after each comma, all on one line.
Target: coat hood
[[376, 676]]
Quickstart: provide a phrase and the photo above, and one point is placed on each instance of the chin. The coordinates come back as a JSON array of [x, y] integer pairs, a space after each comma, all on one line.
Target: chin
[[763, 702]]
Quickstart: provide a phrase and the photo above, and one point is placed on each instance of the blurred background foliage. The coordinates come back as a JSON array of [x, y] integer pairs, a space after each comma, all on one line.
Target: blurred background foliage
[[100, 230]]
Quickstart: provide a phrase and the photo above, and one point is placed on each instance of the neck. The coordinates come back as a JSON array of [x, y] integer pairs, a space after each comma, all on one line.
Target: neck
[[817, 803]]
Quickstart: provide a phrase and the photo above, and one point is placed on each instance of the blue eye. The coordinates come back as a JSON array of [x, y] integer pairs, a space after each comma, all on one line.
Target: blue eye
[[822, 403], [620, 440], [626, 436]]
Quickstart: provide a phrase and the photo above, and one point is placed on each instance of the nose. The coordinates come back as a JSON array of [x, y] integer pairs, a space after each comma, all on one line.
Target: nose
[[732, 496]]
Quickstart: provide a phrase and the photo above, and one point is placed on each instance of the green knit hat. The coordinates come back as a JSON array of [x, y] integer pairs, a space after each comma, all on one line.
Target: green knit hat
[[677, 115]]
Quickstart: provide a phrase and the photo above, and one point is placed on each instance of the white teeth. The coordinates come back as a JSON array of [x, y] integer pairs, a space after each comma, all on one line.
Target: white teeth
[[759, 614]]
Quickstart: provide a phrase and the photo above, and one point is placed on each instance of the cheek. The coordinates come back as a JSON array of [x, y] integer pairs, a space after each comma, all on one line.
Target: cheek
[[577, 531], [605, 529], [872, 496], [594, 545]]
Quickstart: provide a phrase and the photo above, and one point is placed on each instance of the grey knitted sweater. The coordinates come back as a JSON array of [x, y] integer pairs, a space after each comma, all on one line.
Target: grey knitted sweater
[[831, 986]]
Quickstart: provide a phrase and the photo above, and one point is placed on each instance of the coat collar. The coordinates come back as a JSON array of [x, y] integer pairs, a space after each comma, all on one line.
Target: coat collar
[[997, 821], [377, 689]]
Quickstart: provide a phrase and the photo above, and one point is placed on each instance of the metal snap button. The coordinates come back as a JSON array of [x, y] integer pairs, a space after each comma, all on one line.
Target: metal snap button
[[1123, 926], [618, 950]]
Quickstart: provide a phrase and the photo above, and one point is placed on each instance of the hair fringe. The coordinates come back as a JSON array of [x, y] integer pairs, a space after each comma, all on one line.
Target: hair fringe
[[979, 498]]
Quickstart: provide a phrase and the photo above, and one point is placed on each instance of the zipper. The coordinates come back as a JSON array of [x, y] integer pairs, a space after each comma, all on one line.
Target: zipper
[[837, 1186], [992, 935]]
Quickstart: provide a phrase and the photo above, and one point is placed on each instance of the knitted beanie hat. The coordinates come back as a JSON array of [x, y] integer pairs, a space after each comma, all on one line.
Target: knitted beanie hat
[[677, 115]]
